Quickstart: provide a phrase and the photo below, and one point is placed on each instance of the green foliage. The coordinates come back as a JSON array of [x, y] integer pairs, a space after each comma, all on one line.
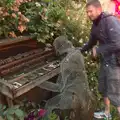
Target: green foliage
[[7, 3], [49, 19], [13, 113], [53, 116], [5, 28], [38, 25]]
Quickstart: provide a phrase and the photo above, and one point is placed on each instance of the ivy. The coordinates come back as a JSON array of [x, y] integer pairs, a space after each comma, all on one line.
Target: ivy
[[11, 113]]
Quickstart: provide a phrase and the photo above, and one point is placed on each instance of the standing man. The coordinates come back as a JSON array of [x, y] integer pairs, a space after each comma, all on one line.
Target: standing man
[[106, 31]]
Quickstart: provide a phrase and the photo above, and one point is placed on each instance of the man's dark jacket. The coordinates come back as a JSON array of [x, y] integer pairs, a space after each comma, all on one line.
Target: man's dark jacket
[[106, 30]]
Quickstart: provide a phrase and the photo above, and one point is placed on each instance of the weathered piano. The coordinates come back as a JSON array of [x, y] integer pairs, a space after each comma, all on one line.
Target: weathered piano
[[24, 64]]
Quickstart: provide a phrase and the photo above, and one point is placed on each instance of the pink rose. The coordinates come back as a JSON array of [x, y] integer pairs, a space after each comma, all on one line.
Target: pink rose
[[41, 112]]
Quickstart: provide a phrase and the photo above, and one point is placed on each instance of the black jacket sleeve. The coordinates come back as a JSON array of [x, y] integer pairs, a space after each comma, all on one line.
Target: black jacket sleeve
[[92, 41], [112, 30]]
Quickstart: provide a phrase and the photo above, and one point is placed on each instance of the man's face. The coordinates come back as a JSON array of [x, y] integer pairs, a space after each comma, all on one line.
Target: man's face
[[93, 12]]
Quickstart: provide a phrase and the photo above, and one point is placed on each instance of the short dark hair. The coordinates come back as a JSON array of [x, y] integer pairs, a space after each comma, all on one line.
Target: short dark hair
[[95, 3]]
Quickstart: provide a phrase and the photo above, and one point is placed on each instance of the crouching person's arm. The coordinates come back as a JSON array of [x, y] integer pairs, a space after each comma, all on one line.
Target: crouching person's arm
[[50, 86]]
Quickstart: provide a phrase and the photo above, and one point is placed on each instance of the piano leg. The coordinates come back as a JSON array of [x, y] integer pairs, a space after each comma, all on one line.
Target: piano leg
[[9, 102]]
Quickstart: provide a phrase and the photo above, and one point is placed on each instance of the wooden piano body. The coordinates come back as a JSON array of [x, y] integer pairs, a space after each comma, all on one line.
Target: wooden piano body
[[24, 64]]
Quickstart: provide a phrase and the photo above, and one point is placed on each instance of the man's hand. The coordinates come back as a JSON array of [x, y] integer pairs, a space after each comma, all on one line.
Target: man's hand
[[94, 52]]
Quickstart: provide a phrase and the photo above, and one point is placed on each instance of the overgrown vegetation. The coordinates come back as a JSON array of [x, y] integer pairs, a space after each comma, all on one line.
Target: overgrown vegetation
[[13, 113], [26, 111]]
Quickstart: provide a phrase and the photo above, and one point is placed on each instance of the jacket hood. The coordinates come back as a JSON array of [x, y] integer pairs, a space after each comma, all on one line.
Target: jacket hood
[[100, 17]]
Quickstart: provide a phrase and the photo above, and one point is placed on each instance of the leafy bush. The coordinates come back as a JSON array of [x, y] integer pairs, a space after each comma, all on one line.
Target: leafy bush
[[11, 19], [13, 113]]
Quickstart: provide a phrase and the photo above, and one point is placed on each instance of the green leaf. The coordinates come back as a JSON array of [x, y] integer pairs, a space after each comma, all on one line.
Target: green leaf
[[10, 111], [4, 107], [9, 117], [16, 106], [4, 113], [52, 116], [40, 40], [1, 106], [19, 113]]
